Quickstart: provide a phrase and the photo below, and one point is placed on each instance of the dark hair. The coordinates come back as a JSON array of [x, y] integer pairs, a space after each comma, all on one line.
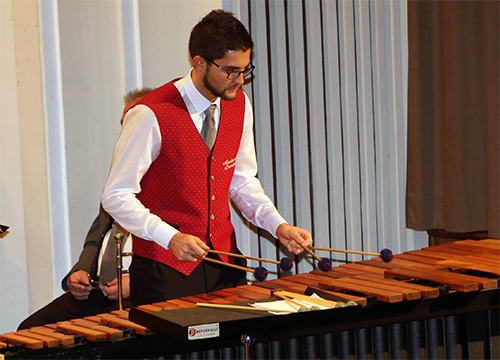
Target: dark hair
[[215, 34]]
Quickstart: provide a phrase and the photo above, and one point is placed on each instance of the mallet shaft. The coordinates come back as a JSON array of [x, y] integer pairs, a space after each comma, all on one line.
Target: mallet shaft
[[244, 256], [306, 248], [345, 251], [224, 263]]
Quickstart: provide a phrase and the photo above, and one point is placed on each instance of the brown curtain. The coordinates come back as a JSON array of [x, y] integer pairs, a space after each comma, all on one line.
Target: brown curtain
[[453, 116]]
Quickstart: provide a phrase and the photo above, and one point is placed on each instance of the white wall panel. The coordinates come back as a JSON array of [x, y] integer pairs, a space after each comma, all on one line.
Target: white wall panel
[[332, 83], [92, 83], [316, 124], [368, 240], [131, 38], [336, 220], [54, 115], [299, 139], [277, 51]]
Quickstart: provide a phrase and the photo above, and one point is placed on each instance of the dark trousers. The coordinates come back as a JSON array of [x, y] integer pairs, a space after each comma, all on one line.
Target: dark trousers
[[66, 307], [152, 281]]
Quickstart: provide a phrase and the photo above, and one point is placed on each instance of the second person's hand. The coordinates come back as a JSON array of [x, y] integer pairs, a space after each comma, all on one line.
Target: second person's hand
[[79, 284]]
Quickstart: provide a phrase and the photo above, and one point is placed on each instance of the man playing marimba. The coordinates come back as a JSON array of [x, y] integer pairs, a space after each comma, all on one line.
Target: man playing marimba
[[184, 148]]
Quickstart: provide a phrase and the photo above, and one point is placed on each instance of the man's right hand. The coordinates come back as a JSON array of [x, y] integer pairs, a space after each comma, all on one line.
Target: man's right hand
[[79, 284], [184, 246]]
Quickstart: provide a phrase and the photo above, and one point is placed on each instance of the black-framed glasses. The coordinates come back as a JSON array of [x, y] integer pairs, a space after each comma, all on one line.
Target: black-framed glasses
[[233, 75]]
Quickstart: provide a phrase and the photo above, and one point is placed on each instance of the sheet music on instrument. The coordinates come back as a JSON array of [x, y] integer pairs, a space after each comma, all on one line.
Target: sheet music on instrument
[[287, 306]]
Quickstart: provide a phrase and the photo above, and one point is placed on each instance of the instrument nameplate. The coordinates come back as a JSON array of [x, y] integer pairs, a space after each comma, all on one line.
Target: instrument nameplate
[[205, 331]]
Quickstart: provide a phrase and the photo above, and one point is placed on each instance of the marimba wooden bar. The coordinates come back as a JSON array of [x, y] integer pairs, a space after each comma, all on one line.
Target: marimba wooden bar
[[437, 302]]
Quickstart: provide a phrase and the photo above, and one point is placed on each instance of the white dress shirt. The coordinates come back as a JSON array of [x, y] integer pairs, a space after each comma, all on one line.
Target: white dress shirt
[[140, 143]]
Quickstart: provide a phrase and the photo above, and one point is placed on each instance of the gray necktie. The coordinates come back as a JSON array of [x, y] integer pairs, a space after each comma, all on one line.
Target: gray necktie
[[208, 131]]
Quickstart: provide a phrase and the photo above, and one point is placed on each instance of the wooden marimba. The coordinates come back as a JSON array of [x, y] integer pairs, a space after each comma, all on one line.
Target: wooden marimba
[[438, 302]]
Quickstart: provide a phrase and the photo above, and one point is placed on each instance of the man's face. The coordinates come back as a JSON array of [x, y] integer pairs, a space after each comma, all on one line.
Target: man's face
[[215, 80]]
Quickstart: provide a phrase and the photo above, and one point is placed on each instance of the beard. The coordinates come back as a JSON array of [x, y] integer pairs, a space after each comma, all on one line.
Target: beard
[[219, 93]]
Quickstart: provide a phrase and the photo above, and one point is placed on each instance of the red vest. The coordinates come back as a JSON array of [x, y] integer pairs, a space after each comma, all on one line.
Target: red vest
[[187, 186]]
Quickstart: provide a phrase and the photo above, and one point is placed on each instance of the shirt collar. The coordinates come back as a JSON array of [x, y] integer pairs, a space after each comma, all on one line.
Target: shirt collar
[[187, 89]]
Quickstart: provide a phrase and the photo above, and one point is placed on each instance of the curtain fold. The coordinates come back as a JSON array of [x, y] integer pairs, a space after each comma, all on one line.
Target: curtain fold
[[453, 116]]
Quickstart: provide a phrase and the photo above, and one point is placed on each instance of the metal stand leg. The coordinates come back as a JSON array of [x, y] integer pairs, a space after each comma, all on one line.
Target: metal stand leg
[[247, 340], [119, 242]]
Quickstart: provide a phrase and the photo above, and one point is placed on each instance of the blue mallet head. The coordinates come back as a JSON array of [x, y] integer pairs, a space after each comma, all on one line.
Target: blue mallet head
[[386, 255], [286, 264], [260, 273], [325, 264]]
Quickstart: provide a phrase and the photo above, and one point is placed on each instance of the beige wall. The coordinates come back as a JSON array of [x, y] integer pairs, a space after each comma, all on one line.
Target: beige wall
[[26, 252], [13, 267]]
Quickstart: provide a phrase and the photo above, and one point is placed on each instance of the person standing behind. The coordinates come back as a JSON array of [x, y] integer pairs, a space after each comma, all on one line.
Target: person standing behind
[[80, 299], [184, 148], [77, 280]]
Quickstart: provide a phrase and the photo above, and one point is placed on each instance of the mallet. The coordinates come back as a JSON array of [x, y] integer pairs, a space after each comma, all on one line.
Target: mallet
[[386, 255], [286, 264], [260, 273]]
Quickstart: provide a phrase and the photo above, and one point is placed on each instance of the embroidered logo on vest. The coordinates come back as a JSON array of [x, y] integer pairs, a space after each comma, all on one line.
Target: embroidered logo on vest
[[228, 164]]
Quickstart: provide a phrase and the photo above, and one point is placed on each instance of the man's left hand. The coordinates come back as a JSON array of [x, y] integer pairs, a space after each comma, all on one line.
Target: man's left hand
[[291, 236]]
